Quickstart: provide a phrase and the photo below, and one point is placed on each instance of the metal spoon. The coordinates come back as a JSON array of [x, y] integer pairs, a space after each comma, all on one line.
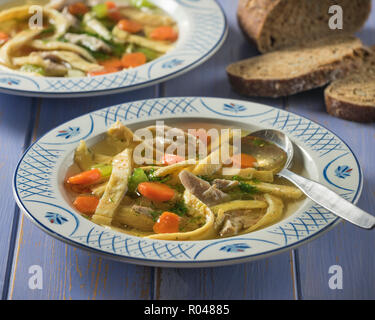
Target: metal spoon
[[274, 151]]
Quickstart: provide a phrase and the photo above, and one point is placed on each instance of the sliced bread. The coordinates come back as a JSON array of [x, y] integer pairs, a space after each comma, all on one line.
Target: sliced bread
[[353, 97], [296, 69], [276, 24]]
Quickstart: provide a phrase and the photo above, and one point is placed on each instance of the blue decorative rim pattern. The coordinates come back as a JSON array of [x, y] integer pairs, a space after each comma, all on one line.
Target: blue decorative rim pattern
[[39, 175], [192, 49]]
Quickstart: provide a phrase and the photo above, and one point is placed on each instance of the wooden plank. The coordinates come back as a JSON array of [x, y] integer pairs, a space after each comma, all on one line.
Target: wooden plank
[[347, 246], [271, 278], [70, 273], [13, 136]]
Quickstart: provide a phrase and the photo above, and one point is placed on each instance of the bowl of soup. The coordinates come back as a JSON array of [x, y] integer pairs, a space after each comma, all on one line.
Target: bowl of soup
[[137, 183], [62, 47]]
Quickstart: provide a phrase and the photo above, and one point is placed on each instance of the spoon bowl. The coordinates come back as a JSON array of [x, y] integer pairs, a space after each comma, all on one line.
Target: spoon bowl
[[274, 151]]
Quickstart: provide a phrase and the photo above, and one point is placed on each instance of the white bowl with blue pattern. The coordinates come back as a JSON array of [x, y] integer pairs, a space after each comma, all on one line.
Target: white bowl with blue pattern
[[39, 191], [202, 31]]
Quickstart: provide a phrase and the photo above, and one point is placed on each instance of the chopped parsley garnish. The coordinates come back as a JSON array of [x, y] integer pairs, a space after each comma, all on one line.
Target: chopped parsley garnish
[[247, 188], [155, 215], [150, 175], [237, 178], [206, 178], [180, 208]]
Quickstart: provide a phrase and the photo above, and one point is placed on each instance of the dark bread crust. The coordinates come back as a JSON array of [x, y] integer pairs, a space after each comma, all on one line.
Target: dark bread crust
[[286, 87], [349, 111], [283, 87], [272, 24], [353, 110], [251, 20]]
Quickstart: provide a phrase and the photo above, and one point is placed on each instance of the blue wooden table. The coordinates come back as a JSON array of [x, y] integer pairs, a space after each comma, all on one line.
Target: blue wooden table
[[70, 273]]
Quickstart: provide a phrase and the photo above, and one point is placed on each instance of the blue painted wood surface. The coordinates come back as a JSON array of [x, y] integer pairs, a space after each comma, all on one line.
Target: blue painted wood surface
[[71, 273]]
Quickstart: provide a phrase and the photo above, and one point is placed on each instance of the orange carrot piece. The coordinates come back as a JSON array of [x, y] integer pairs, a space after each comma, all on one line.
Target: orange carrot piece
[[4, 37], [86, 204], [168, 222], [243, 160], [156, 191], [112, 63], [78, 8], [105, 70], [164, 33], [132, 60], [171, 159], [129, 26], [110, 5], [86, 177]]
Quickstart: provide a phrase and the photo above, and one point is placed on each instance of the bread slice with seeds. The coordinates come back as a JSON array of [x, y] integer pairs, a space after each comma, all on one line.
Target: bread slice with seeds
[[296, 69], [353, 97], [276, 24]]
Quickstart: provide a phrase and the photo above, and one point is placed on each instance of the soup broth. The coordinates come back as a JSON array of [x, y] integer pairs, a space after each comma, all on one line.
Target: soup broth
[[176, 198]]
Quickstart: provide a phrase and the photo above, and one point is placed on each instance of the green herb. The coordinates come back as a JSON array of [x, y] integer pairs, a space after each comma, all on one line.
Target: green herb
[[155, 215], [49, 29], [98, 55], [237, 178], [108, 23], [151, 177], [179, 188], [117, 48], [247, 188], [180, 208], [206, 178]]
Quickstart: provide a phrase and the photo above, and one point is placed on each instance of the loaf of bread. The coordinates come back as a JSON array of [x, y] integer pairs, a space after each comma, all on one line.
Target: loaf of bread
[[275, 24], [353, 97], [300, 68]]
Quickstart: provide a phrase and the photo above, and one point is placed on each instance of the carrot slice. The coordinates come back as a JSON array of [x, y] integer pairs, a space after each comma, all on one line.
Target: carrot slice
[[129, 26], [112, 63], [132, 60], [103, 71], [164, 33], [110, 5], [168, 222], [86, 177], [171, 159], [4, 37], [156, 191], [78, 8], [86, 204], [243, 160]]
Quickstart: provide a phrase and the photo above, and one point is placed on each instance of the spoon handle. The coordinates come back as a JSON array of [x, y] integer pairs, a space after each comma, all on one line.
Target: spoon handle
[[330, 200]]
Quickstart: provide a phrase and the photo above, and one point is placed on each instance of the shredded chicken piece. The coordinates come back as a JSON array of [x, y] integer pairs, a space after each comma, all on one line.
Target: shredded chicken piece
[[93, 43], [208, 194], [143, 210]]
